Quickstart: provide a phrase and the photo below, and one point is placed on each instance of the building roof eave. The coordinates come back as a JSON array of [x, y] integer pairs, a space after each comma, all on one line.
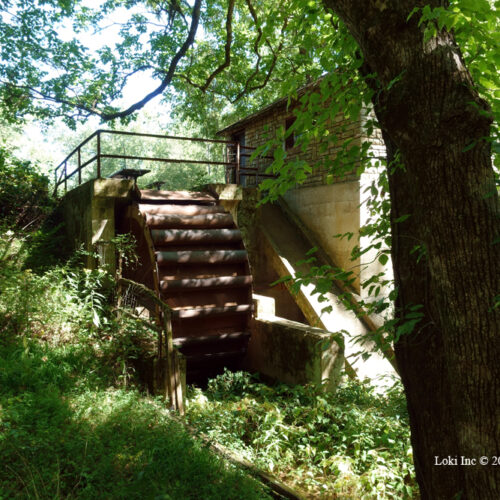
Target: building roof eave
[[240, 124], [277, 104]]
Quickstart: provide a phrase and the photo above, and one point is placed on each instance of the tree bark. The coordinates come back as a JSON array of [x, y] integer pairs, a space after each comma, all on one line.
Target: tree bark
[[450, 363]]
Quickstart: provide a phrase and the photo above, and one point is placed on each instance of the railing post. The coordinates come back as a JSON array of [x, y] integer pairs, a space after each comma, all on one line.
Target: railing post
[[79, 166], [65, 177], [238, 156], [99, 154], [227, 168]]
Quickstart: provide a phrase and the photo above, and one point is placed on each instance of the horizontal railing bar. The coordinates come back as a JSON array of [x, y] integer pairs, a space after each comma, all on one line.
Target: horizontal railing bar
[[78, 147], [72, 174], [159, 136], [246, 155], [250, 147], [88, 162], [236, 152], [169, 160], [253, 172], [257, 175]]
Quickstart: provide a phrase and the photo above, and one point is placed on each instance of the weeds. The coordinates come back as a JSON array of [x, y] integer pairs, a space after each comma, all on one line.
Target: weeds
[[71, 424], [350, 444]]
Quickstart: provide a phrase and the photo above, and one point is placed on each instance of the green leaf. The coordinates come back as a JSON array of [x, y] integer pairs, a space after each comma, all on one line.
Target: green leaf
[[383, 259]]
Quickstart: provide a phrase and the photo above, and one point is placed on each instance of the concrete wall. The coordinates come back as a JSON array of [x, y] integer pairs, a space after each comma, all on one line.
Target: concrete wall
[[292, 352], [369, 263], [327, 206], [89, 215], [241, 203], [329, 210]]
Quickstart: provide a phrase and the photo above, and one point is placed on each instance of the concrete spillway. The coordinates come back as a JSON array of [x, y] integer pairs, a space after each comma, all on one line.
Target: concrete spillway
[[286, 248]]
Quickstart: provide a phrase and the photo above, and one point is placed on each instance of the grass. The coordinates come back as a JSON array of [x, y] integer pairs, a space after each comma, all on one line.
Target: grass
[[66, 433], [72, 422]]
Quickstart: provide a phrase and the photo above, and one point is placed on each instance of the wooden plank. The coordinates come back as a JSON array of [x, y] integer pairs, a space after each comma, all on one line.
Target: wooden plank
[[194, 196], [195, 236], [195, 283], [171, 221], [203, 256], [279, 489], [211, 339], [150, 210], [211, 311]]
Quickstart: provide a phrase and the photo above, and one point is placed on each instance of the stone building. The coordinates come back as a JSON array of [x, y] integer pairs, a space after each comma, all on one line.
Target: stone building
[[327, 206]]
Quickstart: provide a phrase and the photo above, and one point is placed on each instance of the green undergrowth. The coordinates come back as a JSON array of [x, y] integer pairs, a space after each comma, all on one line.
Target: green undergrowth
[[72, 422], [351, 444]]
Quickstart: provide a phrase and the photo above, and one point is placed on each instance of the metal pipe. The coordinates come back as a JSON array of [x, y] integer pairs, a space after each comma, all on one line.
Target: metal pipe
[[173, 137], [238, 157], [234, 153], [167, 160], [75, 150]]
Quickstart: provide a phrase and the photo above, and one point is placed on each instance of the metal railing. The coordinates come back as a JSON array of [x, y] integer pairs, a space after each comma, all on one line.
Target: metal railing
[[236, 159]]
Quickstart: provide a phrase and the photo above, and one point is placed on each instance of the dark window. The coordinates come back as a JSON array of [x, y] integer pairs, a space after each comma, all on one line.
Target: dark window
[[289, 139]]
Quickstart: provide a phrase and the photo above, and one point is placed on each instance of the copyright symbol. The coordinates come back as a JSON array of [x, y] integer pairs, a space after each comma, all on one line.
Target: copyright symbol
[[483, 460]]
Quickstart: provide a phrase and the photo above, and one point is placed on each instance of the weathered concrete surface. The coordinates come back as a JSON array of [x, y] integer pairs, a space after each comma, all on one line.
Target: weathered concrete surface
[[89, 215], [340, 208], [329, 210], [242, 203], [276, 242], [292, 352], [285, 246]]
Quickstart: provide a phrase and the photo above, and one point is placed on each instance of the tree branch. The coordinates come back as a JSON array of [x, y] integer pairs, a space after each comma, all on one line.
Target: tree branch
[[195, 18], [227, 48], [92, 110], [37, 94], [127, 76], [247, 88]]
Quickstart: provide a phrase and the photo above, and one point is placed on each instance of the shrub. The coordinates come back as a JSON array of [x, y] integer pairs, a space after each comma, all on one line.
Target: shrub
[[71, 425], [24, 191]]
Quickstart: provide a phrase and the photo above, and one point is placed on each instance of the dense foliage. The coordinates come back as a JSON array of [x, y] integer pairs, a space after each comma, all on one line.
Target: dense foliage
[[353, 443], [213, 54], [72, 424], [24, 191]]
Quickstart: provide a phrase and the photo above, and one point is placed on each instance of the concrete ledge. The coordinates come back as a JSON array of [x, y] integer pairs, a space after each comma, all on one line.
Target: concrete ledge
[[113, 188], [263, 305], [231, 192], [295, 353]]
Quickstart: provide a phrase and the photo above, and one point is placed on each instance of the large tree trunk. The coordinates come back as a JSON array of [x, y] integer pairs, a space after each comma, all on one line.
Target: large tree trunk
[[450, 364]]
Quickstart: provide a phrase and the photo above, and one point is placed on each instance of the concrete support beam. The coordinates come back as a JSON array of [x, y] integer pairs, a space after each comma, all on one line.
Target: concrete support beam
[[292, 352]]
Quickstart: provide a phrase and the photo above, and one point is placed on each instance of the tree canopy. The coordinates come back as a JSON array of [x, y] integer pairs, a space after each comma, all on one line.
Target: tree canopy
[[74, 59], [57, 57]]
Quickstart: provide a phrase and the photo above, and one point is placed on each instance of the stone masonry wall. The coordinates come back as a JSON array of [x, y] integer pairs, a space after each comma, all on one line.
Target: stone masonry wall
[[265, 127]]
